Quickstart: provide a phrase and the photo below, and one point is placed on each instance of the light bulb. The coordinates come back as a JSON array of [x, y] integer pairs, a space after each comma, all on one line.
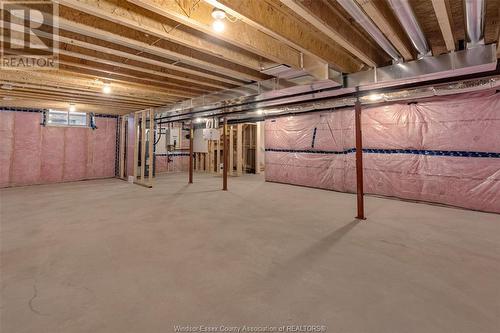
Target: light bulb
[[218, 26], [72, 108], [375, 97], [106, 88]]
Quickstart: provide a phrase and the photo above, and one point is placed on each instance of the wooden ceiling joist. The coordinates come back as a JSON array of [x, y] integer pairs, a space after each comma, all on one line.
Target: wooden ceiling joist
[[82, 92], [267, 16], [96, 70], [335, 26], [443, 14], [159, 66], [66, 79], [146, 73], [87, 51], [173, 60], [177, 57], [142, 49], [126, 15], [20, 87], [382, 16], [71, 99], [20, 102], [197, 15]]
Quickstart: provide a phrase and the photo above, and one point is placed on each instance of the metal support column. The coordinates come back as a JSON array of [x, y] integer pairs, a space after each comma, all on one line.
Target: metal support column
[[359, 162], [226, 155], [191, 138]]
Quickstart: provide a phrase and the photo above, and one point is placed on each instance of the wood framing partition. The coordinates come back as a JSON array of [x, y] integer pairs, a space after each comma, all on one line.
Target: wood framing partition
[[145, 160], [122, 150], [240, 145]]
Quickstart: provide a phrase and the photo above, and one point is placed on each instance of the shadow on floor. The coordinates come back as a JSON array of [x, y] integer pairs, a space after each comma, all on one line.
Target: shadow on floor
[[313, 253]]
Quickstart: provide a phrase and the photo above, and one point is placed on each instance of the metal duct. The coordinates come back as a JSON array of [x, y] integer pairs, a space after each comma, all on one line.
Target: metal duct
[[474, 22], [477, 60], [359, 15], [393, 96], [409, 22], [471, 61]]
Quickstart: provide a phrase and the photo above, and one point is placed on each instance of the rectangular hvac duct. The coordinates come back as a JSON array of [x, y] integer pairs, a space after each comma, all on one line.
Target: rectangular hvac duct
[[476, 60]]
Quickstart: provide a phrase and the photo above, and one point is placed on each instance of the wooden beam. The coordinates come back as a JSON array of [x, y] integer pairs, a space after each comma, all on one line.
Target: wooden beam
[[382, 16], [135, 75], [122, 148], [70, 99], [226, 155], [172, 59], [150, 145], [128, 15], [177, 56], [118, 67], [217, 167], [143, 145], [51, 92], [197, 15], [191, 135], [330, 22], [136, 144], [173, 71], [97, 53], [80, 92], [70, 80], [36, 103], [444, 19], [230, 150], [239, 149], [274, 20], [257, 147]]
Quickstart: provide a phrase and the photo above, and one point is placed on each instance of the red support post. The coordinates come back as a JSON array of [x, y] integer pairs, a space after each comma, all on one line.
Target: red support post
[[359, 162], [191, 135], [226, 155]]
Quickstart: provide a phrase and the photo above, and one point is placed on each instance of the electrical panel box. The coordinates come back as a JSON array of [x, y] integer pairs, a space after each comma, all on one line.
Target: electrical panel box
[[211, 134]]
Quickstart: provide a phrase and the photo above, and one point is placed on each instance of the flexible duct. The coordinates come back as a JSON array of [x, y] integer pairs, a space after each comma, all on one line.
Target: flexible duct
[[409, 22], [367, 24], [474, 22]]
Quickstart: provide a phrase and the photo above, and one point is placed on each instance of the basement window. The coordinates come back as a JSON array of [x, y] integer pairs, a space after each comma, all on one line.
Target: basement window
[[67, 118]]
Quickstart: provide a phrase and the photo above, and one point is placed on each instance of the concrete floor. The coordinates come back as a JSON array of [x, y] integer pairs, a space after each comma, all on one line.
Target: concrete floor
[[82, 257]]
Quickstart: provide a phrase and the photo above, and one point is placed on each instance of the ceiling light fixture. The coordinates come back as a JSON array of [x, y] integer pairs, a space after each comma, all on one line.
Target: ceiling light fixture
[[72, 107], [106, 88], [260, 111], [218, 14], [375, 97], [218, 25]]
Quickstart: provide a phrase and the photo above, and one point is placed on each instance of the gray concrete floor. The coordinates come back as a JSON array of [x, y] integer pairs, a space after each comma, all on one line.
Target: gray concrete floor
[[108, 256]]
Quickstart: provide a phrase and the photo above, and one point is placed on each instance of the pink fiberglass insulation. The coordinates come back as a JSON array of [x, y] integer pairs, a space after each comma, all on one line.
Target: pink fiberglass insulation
[[75, 154], [35, 154], [27, 149], [6, 146], [444, 150], [52, 155]]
